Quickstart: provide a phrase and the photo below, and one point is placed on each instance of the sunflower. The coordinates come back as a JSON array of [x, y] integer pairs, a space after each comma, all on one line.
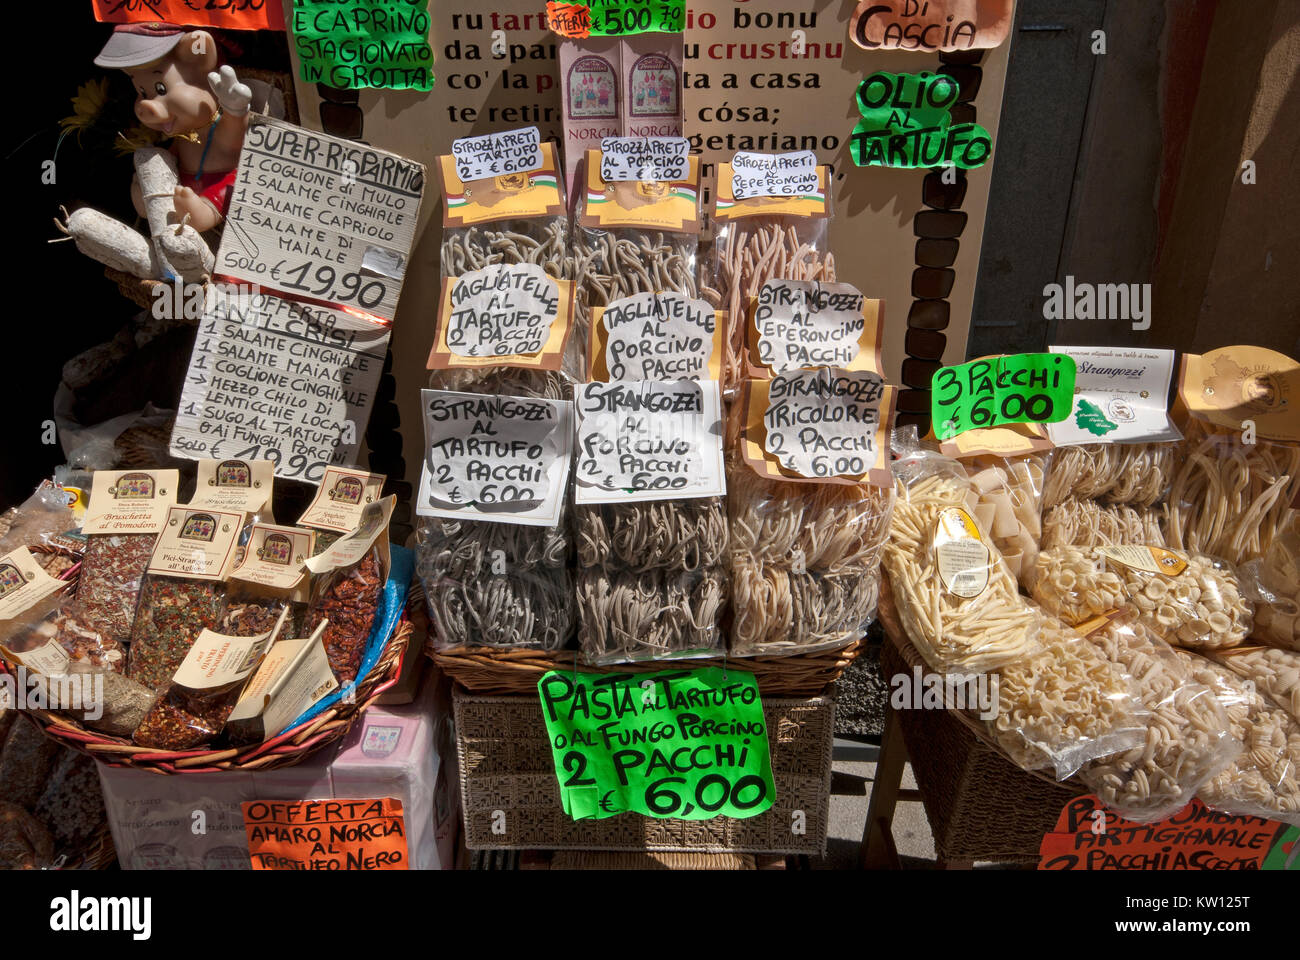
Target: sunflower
[[95, 112]]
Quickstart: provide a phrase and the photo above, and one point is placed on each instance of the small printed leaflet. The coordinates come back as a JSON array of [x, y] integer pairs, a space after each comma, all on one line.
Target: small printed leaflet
[[363, 43], [824, 423], [1120, 396], [690, 744], [1021, 388]]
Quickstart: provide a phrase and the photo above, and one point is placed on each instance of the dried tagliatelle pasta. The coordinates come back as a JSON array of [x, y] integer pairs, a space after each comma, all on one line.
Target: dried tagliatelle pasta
[[1133, 473], [1264, 778], [1086, 523], [1187, 736], [955, 595], [1065, 705]]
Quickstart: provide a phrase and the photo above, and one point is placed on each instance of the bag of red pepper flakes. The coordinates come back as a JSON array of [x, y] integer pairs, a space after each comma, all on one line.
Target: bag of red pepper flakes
[[126, 512], [349, 582], [270, 577], [341, 497], [205, 689], [184, 590]]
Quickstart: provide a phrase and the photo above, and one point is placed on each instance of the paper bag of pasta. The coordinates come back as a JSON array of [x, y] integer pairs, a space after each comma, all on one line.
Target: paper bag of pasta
[[1272, 582], [809, 509], [492, 545], [1237, 483], [1188, 739], [1186, 599], [771, 216], [1263, 780], [649, 483], [956, 597], [505, 324], [1114, 458]]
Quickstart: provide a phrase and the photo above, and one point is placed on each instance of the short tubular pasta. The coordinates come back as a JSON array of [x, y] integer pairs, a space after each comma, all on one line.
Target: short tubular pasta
[[1132, 473], [1009, 506], [1086, 523], [954, 634], [1187, 737]]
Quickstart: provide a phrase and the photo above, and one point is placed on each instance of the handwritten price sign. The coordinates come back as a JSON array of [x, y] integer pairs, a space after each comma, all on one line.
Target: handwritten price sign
[[615, 18], [1023, 388]]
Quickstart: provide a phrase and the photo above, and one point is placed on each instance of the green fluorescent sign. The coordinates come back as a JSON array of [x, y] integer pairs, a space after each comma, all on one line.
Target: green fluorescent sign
[[1023, 388], [690, 744], [364, 43], [906, 122], [616, 18]]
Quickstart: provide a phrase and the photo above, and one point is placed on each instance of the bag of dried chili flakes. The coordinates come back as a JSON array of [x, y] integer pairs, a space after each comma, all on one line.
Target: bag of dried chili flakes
[[349, 582], [184, 590], [270, 577], [126, 513]]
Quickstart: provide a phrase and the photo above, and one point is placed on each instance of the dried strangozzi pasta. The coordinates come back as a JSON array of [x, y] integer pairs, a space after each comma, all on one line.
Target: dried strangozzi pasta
[[495, 584], [1065, 705], [1008, 505], [1086, 523], [751, 251], [805, 562], [1274, 672], [1264, 779], [954, 634], [651, 578], [1075, 584], [618, 262], [1132, 473], [1187, 737], [1229, 498]]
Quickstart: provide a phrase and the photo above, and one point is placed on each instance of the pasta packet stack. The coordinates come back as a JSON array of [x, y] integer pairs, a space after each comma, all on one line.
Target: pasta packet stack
[[1237, 482], [810, 504], [506, 320]]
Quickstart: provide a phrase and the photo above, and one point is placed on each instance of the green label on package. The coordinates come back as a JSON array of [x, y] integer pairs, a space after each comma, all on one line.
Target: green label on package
[[1023, 388], [690, 744], [906, 122], [615, 18], [364, 43]]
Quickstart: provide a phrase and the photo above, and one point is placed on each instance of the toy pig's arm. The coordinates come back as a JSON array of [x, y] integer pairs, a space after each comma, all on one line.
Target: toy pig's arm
[[137, 197], [234, 98]]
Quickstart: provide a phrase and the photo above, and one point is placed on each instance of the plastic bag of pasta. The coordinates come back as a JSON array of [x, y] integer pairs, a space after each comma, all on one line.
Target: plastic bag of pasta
[[1187, 740], [1136, 474], [956, 597], [1272, 582], [1087, 523], [1263, 780], [1237, 481], [810, 502], [506, 320], [39, 625], [650, 520], [1274, 672], [492, 544], [126, 512], [1065, 705], [771, 216], [184, 590]]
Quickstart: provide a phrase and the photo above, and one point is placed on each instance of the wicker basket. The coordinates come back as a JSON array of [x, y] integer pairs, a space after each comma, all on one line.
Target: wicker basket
[[981, 806]]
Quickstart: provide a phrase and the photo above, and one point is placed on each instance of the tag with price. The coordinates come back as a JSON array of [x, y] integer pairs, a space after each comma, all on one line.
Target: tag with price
[[498, 154], [825, 423], [660, 159]]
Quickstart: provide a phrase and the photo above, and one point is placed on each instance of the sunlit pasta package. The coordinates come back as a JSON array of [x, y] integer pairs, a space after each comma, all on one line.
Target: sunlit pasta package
[[1273, 671], [1079, 522], [1272, 582]]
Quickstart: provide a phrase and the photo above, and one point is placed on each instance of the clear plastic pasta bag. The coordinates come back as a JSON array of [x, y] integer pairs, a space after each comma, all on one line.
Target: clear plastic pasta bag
[[38, 520], [496, 584], [1272, 582], [956, 596], [1187, 741], [805, 562], [1065, 705], [1274, 672], [651, 579], [1263, 779], [1009, 506], [1138, 474], [1229, 498], [1087, 523]]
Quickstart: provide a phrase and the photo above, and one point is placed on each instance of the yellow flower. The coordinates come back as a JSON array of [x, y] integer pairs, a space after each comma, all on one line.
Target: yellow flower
[[87, 105]]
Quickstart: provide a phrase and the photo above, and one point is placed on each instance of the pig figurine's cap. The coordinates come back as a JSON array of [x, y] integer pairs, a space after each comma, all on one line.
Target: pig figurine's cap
[[135, 44]]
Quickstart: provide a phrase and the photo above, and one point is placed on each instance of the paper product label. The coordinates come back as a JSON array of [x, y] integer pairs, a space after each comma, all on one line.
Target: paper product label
[[495, 458], [503, 314], [275, 556], [341, 497], [807, 196], [801, 323], [773, 174], [1119, 397], [49, 659], [497, 154], [130, 501], [1234, 384], [1167, 563], [197, 544], [644, 158], [216, 660], [649, 440], [963, 558], [349, 549], [656, 336], [241, 486], [650, 204], [505, 196], [23, 583], [826, 422], [293, 676]]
